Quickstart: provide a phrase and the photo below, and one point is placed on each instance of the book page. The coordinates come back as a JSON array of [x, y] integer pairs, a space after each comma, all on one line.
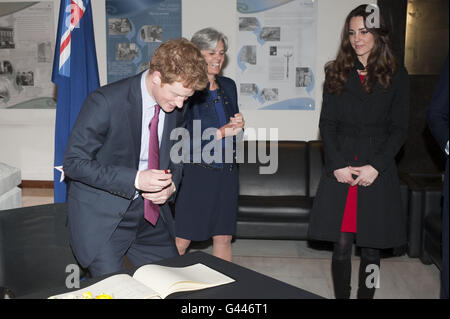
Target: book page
[[167, 280], [118, 287]]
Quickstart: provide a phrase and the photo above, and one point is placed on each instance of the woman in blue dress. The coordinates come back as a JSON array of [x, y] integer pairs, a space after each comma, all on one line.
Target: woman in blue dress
[[207, 202]]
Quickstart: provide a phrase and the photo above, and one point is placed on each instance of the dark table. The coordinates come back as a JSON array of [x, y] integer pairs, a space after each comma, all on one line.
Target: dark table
[[248, 283]]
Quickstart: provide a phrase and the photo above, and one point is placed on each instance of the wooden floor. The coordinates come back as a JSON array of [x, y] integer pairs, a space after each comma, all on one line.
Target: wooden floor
[[295, 263], [36, 196]]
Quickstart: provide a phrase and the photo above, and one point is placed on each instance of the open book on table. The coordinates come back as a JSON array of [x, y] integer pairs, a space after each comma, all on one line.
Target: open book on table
[[151, 282]]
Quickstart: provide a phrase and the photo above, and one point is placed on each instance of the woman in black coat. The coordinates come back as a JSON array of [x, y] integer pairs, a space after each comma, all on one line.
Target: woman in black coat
[[363, 123]]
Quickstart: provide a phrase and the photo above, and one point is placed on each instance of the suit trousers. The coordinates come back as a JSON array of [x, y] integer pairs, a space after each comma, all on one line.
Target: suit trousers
[[137, 239]]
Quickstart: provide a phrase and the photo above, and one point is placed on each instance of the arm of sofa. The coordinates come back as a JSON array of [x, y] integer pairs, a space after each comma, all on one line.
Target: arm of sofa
[[424, 197]]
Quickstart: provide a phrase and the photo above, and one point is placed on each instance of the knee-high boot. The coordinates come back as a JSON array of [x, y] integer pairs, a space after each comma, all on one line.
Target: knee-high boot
[[369, 275], [341, 271]]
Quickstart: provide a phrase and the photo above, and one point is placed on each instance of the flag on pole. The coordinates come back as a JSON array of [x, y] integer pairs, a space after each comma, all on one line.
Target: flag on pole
[[75, 73]]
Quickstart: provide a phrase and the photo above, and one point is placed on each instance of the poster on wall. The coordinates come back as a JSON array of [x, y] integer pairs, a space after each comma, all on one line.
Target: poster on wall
[[27, 38], [135, 28], [276, 54]]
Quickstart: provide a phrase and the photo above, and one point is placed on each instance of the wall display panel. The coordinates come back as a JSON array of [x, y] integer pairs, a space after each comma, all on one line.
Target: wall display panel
[[135, 28], [276, 54], [27, 39]]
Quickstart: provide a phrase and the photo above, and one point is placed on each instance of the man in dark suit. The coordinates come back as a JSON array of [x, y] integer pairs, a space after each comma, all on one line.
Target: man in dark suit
[[437, 117], [108, 156]]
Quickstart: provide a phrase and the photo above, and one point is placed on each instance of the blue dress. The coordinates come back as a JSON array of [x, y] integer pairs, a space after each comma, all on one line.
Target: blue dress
[[207, 200]]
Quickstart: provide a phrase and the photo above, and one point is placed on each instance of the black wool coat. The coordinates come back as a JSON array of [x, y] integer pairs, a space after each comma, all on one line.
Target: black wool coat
[[372, 127]]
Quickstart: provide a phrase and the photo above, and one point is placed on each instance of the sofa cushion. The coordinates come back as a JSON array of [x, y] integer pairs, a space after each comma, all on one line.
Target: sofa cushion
[[11, 199], [433, 225], [9, 178], [274, 208], [290, 178], [272, 230]]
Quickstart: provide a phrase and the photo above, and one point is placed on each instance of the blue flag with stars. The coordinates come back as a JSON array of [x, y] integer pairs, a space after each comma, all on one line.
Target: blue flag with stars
[[75, 73]]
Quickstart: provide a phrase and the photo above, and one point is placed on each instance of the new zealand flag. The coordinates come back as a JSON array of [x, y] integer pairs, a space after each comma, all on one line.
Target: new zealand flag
[[75, 73]]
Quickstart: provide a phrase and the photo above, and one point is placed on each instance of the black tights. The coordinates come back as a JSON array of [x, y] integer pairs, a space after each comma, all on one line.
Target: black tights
[[341, 268]]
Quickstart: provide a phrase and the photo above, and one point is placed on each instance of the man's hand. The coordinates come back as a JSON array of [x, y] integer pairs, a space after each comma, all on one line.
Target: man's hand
[[162, 196], [153, 180], [366, 175]]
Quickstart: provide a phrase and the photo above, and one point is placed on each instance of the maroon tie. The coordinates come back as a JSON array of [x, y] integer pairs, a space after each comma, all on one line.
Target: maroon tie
[[151, 210]]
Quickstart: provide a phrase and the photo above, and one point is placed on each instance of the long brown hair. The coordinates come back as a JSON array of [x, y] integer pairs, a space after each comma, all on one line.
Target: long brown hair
[[381, 64]]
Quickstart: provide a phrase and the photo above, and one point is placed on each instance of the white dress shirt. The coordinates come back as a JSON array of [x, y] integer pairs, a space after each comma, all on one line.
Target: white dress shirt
[[148, 110]]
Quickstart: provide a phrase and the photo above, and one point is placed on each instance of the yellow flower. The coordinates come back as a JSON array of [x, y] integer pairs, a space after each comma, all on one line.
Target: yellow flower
[[87, 295], [104, 296]]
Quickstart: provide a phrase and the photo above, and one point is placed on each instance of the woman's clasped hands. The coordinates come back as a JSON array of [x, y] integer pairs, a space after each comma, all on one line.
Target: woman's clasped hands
[[366, 175]]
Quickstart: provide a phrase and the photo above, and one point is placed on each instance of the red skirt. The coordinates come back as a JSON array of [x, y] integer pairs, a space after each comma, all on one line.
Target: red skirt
[[349, 220]]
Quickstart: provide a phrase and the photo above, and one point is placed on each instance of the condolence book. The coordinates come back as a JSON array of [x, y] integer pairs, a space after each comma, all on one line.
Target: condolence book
[[151, 282]]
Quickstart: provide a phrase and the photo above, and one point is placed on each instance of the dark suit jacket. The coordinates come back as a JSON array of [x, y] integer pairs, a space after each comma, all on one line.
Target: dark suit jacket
[[437, 113], [101, 162], [437, 116]]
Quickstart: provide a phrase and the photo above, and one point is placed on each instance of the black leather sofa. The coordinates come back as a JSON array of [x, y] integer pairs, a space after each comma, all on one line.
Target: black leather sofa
[[277, 206], [432, 239], [425, 216]]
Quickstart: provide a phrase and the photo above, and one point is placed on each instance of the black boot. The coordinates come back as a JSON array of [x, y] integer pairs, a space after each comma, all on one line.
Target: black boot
[[341, 271], [341, 265], [369, 273]]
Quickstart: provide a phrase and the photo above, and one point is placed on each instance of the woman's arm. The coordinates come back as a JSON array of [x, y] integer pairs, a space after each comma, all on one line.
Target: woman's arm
[[398, 126], [328, 129]]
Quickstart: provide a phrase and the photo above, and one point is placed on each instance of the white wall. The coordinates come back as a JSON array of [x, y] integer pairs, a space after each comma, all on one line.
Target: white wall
[[26, 140], [292, 125]]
